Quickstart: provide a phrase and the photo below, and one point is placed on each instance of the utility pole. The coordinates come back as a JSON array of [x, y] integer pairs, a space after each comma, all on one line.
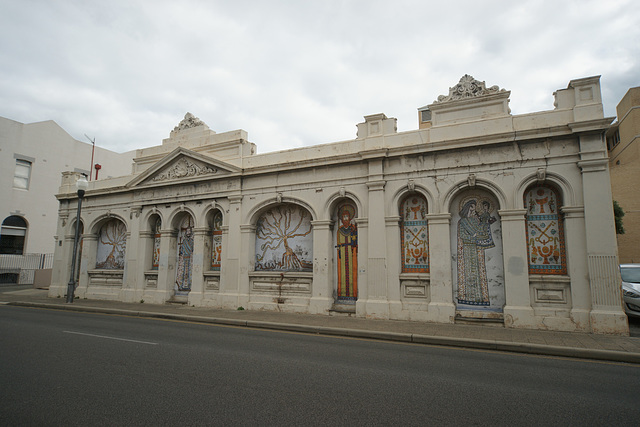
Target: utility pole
[[92, 152]]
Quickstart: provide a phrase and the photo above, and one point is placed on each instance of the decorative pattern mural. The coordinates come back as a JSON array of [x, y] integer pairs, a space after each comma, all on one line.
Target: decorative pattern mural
[[185, 254], [477, 243], [284, 240], [347, 254], [155, 263], [545, 232], [216, 241], [112, 242], [415, 235]]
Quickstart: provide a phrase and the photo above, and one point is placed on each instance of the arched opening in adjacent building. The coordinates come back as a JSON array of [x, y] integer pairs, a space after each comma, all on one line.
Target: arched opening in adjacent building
[[12, 235]]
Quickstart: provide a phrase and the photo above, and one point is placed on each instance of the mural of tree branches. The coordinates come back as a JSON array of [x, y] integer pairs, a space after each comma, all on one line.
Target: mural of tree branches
[[284, 240], [112, 243]]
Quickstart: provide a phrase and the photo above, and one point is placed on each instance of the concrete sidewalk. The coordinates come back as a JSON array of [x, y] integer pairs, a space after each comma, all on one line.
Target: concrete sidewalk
[[566, 344]]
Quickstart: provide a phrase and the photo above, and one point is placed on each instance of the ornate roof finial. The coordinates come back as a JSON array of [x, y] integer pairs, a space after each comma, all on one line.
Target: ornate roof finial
[[189, 121], [468, 87]]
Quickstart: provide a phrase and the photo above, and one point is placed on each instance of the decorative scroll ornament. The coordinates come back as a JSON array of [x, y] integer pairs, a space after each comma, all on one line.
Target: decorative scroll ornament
[[468, 87], [189, 121], [184, 168]]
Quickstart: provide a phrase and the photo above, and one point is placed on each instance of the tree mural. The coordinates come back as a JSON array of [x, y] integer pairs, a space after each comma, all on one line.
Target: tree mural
[[283, 239], [112, 243]]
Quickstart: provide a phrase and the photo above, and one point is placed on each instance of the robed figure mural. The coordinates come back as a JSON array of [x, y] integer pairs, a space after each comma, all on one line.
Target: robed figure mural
[[477, 249], [185, 254], [347, 254]]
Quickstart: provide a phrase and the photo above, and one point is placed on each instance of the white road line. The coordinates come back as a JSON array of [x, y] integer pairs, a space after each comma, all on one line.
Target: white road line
[[110, 338]]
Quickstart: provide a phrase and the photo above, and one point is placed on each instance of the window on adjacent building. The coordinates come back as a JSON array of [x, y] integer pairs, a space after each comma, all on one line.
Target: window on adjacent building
[[613, 140], [22, 174]]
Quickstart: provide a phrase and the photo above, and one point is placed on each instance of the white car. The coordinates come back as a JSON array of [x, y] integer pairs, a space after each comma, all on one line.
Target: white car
[[631, 288]]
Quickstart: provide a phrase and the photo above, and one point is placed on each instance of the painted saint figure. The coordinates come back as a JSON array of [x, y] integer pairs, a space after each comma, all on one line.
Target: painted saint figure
[[185, 252], [216, 240], [347, 252], [155, 263], [474, 237]]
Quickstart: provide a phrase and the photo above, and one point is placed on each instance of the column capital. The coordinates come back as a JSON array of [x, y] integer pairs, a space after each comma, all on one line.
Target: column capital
[[247, 228], [593, 165], [377, 185], [439, 218], [392, 220], [322, 224], [512, 214], [572, 211]]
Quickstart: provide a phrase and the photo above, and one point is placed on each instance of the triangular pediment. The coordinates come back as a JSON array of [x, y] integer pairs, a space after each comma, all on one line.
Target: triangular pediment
[[183, 165]]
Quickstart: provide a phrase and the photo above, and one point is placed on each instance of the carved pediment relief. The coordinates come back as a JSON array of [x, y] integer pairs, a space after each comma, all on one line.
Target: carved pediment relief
[[183, 168], [468, 87], [181, 165]]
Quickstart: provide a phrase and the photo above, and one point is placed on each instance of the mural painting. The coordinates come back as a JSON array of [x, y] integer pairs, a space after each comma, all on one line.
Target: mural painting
[[112, 242], [415, 235], [545, 233], [284, 240], [216, 242], [185, 254], [477, 249], [155, 263], [347, 254]]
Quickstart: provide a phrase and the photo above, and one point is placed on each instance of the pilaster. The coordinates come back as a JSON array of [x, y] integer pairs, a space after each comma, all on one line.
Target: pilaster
[[441, 307], [606, 314], [322, 287], [518, 312]]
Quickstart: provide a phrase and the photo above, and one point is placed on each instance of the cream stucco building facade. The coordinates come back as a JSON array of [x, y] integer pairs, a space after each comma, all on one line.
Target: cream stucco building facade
[[478, 215]]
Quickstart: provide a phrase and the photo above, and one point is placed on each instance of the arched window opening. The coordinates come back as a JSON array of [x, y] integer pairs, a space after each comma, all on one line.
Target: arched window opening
[[155, 259], [346, 243], [545, 231], [284, 241], [185, 254], [112, 243], [414, 234], [216, 241], [12, 235]]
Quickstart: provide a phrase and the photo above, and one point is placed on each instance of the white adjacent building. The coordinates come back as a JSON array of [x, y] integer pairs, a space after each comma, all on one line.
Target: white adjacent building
[[32, 157], [478, 215]]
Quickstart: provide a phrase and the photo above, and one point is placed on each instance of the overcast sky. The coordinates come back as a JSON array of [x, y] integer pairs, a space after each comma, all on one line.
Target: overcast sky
[[295, 73]]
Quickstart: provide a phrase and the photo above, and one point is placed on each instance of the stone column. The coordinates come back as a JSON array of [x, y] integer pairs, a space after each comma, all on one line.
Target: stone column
[[518, 311], [322, 287], [200, 235], [87, 262], [62, 257], [576, 250], [131, 291], [606, 314], [394, 265], [246, 263], [377, 302], [167, 267], [441, 306], [363, 256], [230, 269]]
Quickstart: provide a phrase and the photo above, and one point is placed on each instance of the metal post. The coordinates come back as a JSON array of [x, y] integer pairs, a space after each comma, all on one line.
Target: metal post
[[71, 287]]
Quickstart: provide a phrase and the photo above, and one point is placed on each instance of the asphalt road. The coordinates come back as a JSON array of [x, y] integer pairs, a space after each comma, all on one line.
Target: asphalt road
[[65, 368]]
